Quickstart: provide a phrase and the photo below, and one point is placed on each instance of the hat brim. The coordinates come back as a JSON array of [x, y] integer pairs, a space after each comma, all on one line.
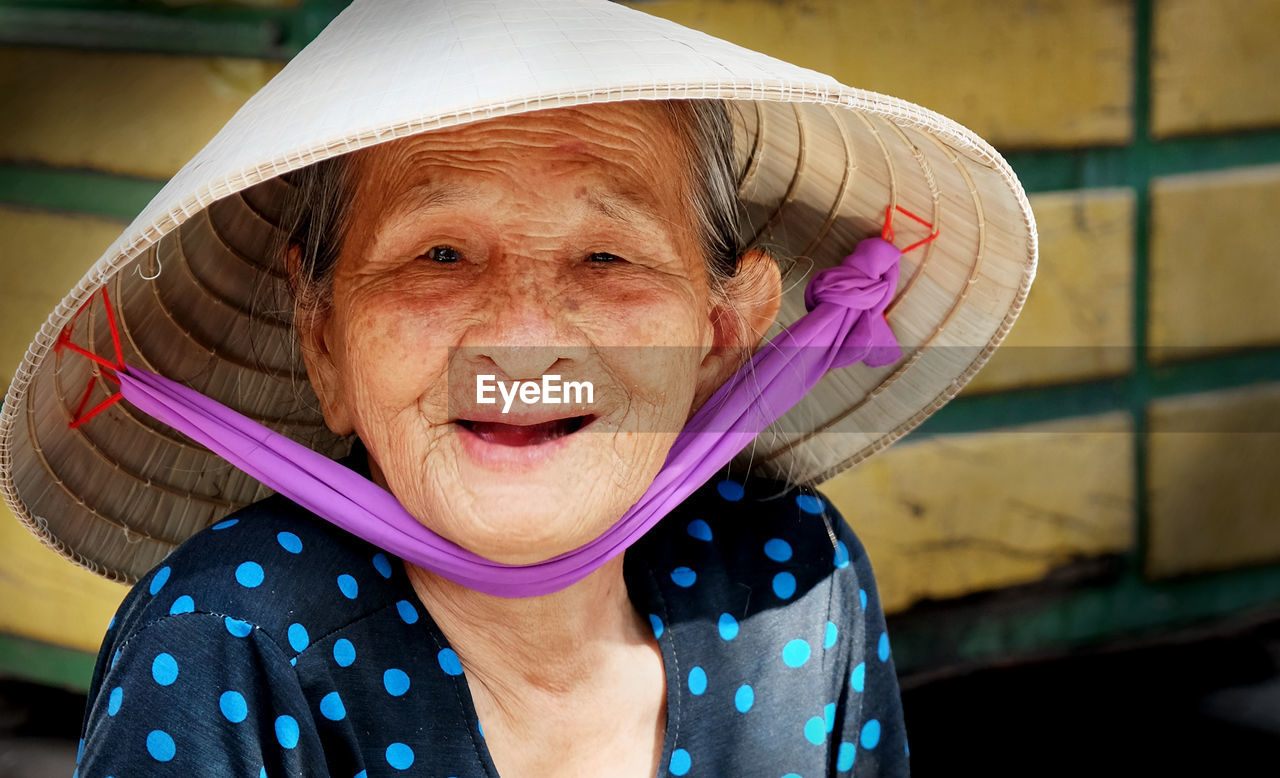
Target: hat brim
[[200, 300]]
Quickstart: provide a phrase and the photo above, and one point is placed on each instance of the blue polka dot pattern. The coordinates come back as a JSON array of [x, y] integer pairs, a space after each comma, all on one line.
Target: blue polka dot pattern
[[680, 762], [287, 731], [183, 604], [348, 586], [298, 637], [684, 577], [449, 662], [795, 653], [815, 731], [882, 648], [226, 524], [730, 490], [777, 549], [739, 640], [159, 580], [400, 756], [396, 682], [161, 746], [784, 585], [382, 565], [699, 530], [331, 707], [870, 737], [728, 627], [233, 706], [841, 560], [808, 503], [408, 613], [164, 669], [845, 757], [697, 681], [344, 652], [249, 575], [289, 542]]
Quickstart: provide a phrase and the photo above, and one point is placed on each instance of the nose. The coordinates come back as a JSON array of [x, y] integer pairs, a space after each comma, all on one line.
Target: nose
[[521, 326]]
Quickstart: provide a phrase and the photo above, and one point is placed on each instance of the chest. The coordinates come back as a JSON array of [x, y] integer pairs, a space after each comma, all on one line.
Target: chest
[[615, 728], [698, 701]]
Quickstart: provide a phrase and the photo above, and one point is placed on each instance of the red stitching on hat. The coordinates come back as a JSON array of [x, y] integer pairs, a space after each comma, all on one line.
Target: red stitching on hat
[[64, 342], [115, 332], [887, 232]]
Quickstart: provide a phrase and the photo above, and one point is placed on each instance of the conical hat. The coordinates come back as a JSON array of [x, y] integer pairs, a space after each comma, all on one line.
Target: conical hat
[[197, 291]]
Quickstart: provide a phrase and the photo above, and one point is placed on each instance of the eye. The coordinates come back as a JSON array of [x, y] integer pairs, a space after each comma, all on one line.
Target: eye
[[443, 254], [604, 257]]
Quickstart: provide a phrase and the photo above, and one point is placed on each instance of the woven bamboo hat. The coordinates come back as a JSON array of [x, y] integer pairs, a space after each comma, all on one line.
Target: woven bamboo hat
[[818, 165]]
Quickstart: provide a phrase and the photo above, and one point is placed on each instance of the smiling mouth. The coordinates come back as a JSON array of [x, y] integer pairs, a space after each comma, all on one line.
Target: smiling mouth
[[524, 434]]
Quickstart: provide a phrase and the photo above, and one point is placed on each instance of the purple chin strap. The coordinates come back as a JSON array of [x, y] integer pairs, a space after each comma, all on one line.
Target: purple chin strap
[[845, 324]]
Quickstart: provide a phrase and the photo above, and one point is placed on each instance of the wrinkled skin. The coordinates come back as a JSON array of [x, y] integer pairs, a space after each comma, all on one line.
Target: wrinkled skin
[[548, 243]]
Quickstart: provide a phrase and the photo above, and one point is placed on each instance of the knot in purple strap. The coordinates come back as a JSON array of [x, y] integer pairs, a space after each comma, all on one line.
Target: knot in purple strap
[[863, 284]]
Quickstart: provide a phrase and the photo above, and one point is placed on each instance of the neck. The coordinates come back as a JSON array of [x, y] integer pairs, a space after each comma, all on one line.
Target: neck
[[569, 683], [554, 644]]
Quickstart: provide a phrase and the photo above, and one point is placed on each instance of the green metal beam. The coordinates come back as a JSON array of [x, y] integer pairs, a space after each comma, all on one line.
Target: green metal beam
[[1199, 373], [1001, 626], [1063, 169], [232, 31], [77, 191], [1015, 407], [1051, 403], [51, 665], [1141, 386]]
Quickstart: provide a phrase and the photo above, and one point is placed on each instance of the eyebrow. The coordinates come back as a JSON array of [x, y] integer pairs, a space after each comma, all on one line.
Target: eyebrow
[[623, 206], [427, 197], [618, 205]]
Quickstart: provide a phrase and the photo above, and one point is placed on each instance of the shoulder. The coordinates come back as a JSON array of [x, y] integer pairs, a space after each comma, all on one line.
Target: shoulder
[[762, 600], [754, 543], [272, 566]]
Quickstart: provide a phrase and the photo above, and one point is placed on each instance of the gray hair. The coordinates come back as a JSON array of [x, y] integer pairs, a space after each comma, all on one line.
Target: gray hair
[[317, 214]]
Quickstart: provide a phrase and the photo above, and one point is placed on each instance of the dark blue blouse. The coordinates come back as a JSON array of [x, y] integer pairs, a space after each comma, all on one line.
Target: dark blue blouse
[[274, 644]]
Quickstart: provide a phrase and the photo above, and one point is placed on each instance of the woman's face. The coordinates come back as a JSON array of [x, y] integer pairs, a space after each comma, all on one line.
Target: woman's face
[[553, 243]]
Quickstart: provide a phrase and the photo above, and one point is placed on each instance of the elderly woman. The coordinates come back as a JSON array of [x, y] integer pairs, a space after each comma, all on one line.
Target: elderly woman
[[481, 209]]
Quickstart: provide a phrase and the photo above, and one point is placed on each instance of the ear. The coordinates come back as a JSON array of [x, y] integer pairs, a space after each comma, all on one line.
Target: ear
[[740, 320], [315, 339]]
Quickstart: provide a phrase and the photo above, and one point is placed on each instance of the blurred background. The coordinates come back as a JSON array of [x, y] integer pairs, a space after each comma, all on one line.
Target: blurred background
[[1080, 554]]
